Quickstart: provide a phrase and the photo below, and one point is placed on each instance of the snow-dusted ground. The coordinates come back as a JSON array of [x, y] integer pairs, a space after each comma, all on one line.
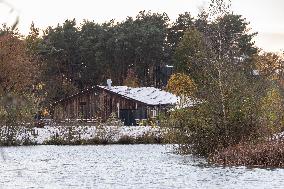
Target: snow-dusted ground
[[111, 133]]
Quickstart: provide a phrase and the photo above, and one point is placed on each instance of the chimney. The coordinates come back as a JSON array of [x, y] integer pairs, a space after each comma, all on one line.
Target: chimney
[[109, 82]]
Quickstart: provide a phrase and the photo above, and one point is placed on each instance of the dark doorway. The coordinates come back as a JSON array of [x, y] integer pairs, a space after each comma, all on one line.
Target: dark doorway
[[83, 110], [127, 116]]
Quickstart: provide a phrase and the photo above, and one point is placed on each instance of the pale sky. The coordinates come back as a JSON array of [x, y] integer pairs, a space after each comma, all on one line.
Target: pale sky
[[265, 16]]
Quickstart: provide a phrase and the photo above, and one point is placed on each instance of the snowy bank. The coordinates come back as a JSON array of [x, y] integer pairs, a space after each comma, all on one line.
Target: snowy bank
[[81, 135]]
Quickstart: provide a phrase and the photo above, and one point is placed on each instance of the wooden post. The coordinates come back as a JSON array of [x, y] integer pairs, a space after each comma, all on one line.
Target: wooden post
[[117, 109]]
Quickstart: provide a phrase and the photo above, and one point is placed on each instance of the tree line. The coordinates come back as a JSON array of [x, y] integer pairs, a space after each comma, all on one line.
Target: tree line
[[73, 58], [53, 63], [213, 54], [135, 49]]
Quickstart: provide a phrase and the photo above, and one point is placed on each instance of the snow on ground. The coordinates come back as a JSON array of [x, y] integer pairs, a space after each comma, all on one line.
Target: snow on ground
[[113, 133]]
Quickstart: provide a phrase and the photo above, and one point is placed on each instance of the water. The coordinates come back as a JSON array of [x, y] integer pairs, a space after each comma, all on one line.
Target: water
[[122, 166]]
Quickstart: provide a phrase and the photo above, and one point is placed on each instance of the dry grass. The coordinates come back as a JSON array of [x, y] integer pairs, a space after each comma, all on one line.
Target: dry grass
[[263, 154], [125, 139]]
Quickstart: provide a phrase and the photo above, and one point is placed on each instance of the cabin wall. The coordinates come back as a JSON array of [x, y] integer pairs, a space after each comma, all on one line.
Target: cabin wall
[[114, 103], [94, 104], [82, 106]]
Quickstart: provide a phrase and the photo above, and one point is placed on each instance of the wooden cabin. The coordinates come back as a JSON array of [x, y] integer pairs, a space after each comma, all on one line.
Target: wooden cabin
[[129, 104]]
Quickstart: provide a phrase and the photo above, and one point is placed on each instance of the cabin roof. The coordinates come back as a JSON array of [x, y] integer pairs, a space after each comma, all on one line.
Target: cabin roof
[[147, 95]]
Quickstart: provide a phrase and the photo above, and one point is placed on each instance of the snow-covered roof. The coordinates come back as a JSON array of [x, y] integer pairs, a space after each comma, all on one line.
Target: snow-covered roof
[[147, 95]]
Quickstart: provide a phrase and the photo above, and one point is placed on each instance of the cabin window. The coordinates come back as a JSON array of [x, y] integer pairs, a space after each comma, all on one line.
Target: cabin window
[[153, 113]]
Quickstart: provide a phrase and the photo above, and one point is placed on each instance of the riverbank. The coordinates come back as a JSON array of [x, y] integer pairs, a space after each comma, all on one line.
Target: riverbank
[[261, 154], [81, 135]]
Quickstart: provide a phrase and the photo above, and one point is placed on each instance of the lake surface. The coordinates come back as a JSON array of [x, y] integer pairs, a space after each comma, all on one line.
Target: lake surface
[[122, 166]]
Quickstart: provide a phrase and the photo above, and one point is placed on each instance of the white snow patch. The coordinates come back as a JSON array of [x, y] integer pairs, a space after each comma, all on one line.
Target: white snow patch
[[114, 133], [147, 95]]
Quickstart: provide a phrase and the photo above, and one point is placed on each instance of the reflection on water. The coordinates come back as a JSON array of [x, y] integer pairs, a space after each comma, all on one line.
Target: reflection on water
[[122, 166]]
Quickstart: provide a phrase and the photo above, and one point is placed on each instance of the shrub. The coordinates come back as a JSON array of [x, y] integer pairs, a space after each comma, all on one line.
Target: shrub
[[264, 154], [148, 138], [201, 130], [125, 139]]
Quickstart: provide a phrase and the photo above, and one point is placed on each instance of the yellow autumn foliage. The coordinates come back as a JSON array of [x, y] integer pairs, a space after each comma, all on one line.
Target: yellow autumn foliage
[[272, 110], [182, 85], [269, 65]]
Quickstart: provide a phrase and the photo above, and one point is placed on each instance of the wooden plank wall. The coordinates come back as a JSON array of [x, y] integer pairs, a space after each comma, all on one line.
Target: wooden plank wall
[[92, 104]]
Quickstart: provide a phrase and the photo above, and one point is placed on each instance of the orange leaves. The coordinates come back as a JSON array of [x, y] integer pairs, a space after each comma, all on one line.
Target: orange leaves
[[269, 65], [17, 68]]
